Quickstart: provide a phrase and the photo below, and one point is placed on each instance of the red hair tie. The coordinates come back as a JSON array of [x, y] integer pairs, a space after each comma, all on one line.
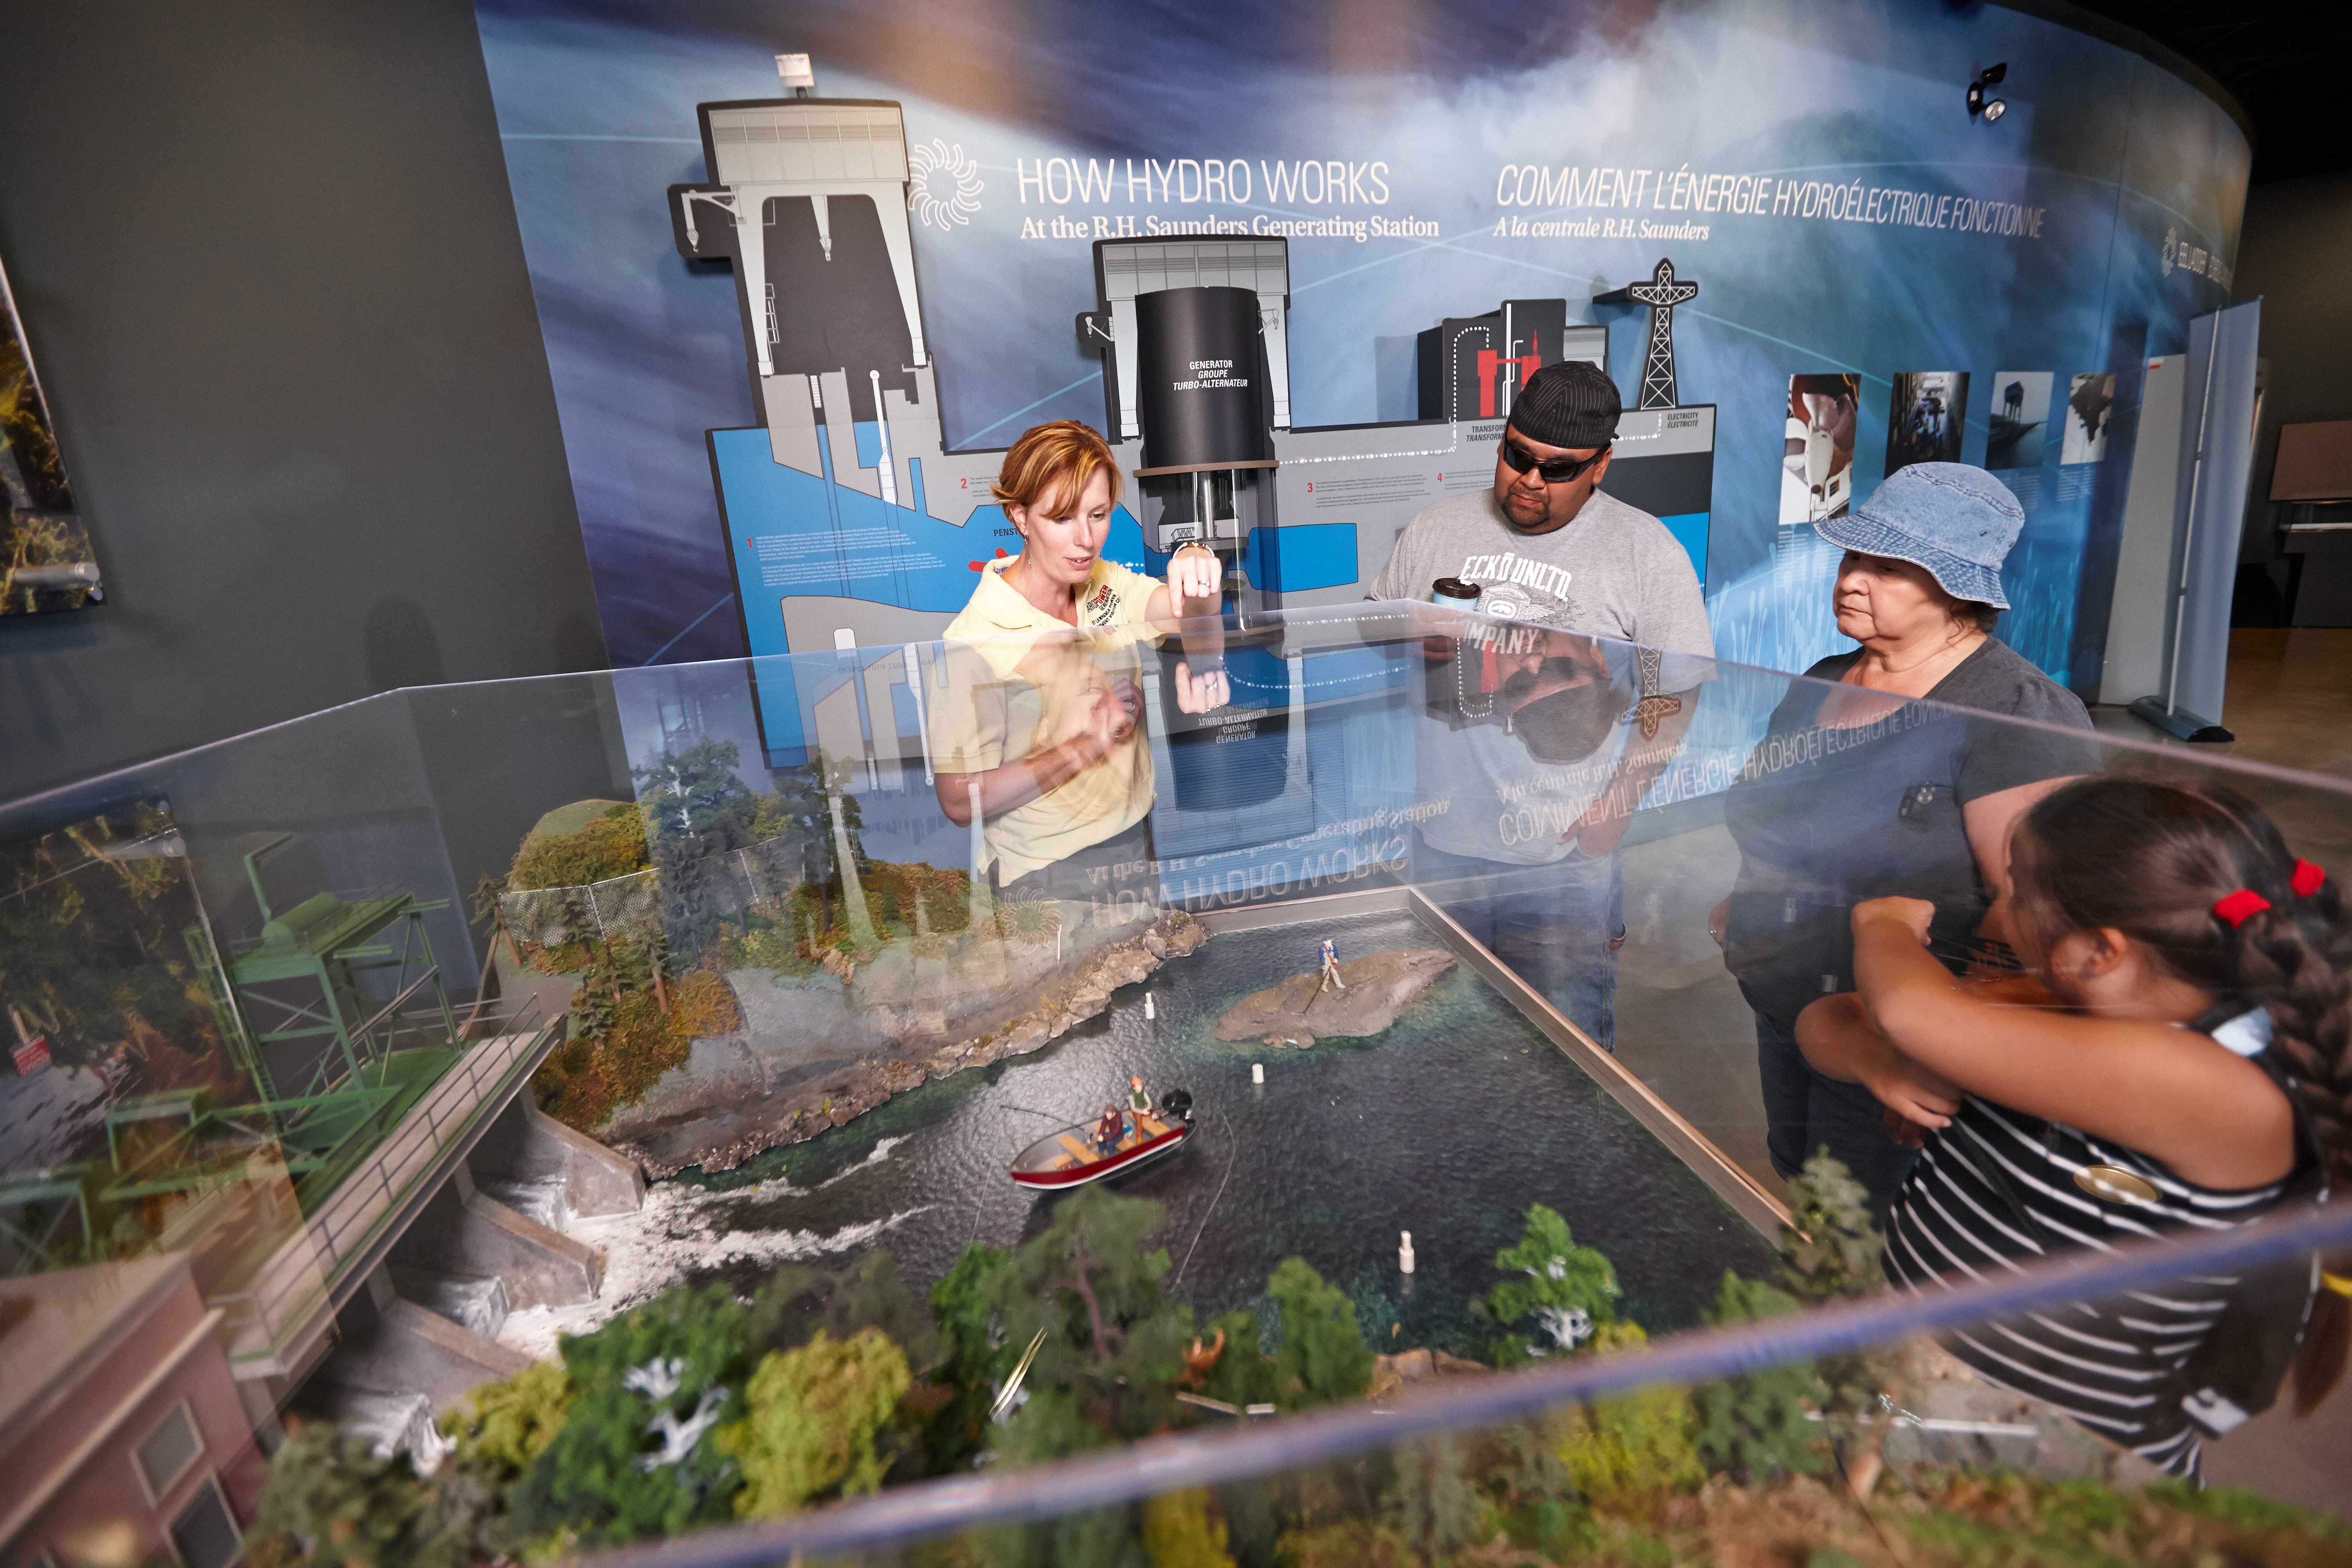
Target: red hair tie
[[2240, 907], [2307, 878]]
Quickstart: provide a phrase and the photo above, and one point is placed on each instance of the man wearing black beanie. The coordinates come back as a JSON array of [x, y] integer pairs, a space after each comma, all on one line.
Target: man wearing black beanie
[[1524, 851]]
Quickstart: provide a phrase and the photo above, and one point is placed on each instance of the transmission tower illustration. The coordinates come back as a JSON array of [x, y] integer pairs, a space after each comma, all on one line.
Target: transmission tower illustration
[[1662, 293]]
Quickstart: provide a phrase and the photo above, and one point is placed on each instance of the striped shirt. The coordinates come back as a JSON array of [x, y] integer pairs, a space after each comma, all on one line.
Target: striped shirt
[[2107, 1363]]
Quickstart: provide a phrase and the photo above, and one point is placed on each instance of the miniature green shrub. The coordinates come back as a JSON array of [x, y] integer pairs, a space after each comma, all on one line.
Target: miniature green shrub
[[814, 1414], [1322, 1357], [1353, 1543], [504, 1426], [2004, 1519], [1244, 1375], [1178, 1534], [602, 1069], [1753, 1428], [1568, 1290], [613, 845], [1030, 921], [1640, 1443], [705, 1005], [329, 1498], [614, 1472], [798, 1301]]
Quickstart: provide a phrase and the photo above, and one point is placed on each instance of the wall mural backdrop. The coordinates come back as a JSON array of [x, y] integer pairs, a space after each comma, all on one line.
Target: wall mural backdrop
[[1813, 167]]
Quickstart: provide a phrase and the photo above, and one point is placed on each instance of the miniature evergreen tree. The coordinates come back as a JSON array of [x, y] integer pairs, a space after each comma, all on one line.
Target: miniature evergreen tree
[[1322, 1358], [1753, 1426], [963, 1306], [1434, 1503], [1113, 1343], [696, 812], [791, 828], [1832, 1251], [1567, 1288], [814, 1414]]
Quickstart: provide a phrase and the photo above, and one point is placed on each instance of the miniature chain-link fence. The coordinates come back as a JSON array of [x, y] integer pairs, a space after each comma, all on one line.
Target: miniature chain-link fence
[[630, 907], [618, 907]]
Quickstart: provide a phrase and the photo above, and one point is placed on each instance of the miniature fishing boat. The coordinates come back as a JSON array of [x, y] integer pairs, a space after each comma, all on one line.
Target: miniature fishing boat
[[1071, 1158]]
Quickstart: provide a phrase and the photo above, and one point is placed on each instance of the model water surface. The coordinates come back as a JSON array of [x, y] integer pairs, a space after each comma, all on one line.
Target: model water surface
[[1448, 1124]]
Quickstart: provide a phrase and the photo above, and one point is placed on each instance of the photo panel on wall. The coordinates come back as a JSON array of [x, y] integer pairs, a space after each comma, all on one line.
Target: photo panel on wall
[[1817, 471], [2018, 415], [2092, 396], [1925, 417]]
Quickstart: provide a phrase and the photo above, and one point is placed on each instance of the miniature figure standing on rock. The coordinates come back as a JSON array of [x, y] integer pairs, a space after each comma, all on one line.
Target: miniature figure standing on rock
[[1372, 990]]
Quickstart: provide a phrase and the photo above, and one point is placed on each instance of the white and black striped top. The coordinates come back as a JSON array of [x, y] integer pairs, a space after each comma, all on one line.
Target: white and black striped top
[[2107, 1363]]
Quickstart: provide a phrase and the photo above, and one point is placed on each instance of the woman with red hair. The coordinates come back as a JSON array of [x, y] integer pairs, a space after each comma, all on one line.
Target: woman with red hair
[[1039, 732]]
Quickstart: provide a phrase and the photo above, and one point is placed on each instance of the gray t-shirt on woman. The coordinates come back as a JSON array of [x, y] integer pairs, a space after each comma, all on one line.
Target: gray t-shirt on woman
[[1826, 817], [1613, 572]]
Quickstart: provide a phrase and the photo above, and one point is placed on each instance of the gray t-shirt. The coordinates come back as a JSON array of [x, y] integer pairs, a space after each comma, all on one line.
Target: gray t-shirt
[[1613, 572], [1826, 817]]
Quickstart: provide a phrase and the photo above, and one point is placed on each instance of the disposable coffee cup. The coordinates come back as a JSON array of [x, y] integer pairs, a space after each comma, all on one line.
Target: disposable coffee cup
[[1454, 594]]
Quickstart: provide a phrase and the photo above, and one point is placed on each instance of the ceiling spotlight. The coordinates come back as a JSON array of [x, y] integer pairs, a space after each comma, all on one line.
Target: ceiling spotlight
[[1990, 108]]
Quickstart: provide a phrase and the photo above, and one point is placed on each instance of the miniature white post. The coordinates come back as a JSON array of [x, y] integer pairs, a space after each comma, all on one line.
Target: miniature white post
[[853, 898], [1257, 1072], [979, 859], [1148, 1010], [1404, 1252]]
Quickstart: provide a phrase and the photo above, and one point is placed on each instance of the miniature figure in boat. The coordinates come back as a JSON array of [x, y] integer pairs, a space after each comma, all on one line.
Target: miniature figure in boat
[[1077, 1155]]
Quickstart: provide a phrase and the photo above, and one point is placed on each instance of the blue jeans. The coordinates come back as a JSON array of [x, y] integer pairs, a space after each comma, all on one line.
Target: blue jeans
[[1558, 926], [1805, 1113]]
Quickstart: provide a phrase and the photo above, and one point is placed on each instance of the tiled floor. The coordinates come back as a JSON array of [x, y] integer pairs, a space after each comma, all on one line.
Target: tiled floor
[[2290, 705], [1683, 1027]]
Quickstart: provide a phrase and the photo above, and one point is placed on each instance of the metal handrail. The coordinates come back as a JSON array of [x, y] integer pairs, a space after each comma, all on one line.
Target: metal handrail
[[430, 974], [1160, 1465], [351, 1218]]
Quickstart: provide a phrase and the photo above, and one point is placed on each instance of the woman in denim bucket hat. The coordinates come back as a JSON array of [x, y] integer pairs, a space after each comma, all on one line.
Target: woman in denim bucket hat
[[1856, 793]]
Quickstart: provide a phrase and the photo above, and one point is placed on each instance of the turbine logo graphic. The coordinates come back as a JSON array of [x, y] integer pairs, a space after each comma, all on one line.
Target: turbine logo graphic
[[945, 186], [2171, 251]]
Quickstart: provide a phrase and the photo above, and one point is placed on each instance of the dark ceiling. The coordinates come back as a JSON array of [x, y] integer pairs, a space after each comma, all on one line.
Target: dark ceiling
[[2286, 63]]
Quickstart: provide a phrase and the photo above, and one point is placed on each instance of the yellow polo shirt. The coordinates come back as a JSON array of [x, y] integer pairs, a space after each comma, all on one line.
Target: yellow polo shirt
[[1020, 680]]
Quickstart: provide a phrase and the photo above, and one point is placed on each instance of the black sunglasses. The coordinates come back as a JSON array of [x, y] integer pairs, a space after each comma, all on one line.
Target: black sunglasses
[[1554, 470]]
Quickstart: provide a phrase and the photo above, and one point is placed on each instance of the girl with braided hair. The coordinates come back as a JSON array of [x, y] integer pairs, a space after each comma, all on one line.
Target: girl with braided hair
[[2176, 1060]]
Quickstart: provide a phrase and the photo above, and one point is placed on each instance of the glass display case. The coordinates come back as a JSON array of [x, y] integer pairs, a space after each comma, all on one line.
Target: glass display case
[[1329, 1126]]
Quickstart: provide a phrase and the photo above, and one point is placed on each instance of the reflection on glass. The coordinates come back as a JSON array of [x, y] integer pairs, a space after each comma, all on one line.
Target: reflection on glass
[[682, 1196]]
